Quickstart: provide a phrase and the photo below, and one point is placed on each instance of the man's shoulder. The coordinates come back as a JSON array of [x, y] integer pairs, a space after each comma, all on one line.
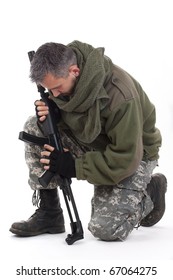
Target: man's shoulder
[[120, 87]]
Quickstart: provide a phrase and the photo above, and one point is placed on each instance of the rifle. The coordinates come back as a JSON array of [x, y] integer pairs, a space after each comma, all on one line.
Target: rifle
[[50, 129]]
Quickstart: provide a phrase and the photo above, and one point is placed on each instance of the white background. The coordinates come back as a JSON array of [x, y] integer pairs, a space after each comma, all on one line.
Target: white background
[[137, 35]]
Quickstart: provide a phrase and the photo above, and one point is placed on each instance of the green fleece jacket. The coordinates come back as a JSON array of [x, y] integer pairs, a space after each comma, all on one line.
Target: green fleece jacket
[[110, 113]]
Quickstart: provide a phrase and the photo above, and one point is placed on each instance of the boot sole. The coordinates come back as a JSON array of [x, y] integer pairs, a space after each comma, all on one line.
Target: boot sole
[[52, 230]]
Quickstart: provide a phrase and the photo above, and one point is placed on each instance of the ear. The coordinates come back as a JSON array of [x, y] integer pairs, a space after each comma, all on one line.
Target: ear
[[74, 70]]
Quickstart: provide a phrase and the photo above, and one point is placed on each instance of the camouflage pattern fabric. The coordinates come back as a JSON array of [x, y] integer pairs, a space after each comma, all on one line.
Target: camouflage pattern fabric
[[33, 152], [116, 210]]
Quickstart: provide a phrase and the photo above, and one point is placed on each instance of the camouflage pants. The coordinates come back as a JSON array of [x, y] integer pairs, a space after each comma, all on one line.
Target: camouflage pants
[[33, 152], [117, 209]]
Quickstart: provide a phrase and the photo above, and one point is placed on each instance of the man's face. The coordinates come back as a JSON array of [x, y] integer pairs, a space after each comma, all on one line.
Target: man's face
[[61, 86]]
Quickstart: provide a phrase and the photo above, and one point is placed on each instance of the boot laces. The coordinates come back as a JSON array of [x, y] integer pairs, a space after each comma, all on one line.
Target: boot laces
[[36, 198]]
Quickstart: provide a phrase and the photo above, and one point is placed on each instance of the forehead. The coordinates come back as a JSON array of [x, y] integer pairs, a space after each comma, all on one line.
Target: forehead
[[51, 81]]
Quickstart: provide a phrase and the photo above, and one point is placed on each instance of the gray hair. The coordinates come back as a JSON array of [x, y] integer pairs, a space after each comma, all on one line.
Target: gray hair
[[51, 58]]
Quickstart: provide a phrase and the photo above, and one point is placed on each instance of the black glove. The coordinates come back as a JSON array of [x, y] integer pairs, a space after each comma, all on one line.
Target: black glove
[[62, 163], [54, 109]]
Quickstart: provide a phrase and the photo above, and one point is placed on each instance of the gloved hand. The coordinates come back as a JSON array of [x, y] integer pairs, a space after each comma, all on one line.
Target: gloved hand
[[42, 110], [61, 163]]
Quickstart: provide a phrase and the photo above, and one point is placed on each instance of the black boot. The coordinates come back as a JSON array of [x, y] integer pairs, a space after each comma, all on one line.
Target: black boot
[[156, 190], [48, 218]]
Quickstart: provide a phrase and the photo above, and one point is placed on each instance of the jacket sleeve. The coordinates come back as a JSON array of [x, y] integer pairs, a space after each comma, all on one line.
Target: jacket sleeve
[[122, 154]]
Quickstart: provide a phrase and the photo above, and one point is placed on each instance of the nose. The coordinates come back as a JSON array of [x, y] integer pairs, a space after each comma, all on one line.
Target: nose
[[55, 92]]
